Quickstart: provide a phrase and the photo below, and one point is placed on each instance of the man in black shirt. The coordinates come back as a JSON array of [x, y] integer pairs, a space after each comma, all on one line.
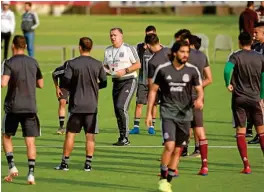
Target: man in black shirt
[[22, 75], [247, 89], [62, 95], [82, 75], [142, 90], [175, 80]]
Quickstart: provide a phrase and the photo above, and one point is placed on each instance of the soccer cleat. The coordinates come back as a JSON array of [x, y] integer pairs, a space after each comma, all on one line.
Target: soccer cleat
[[203, 171], [255, 140], [185, 152], [61, 131], [122, 142], [63, 167], [195, 154], [249, 135], [151, 131], [246, 170], [164, 186], [31, 179], [87, 167], [134, 131], [176, 174], [13, 172]]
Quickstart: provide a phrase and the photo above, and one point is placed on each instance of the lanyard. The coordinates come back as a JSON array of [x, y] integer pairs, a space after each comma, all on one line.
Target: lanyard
[[114, 56]]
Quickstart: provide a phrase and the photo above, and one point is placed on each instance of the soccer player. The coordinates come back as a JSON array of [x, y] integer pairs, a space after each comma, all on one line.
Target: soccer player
[[247, 90], [22, 75], [62, 95], [142, 91], [81, 76], [121, 61], [175, 80], [258, 47], [8, 25], [178, 35], [199, 59]]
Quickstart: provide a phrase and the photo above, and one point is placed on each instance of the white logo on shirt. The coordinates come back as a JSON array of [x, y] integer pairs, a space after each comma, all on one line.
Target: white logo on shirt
[[168, 77], [127, 91], [185, 78]]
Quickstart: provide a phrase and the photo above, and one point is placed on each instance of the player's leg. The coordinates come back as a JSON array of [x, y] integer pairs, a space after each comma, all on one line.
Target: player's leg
[[142, 94], [6, 46], [31, 129], [257, 118], [90, 128], [169, 132], [151, 129], [124, 98], [74, 126], [239, 112], [62, 111], [9, 127]]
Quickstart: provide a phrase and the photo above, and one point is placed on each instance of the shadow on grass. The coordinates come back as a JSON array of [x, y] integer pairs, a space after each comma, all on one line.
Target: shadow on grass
[[62, 181]]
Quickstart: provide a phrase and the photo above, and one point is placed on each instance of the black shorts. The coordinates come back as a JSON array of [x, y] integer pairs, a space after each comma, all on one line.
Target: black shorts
[[242, 108], [87, 121], [29, 123], [197, 118], [142, 94], [65, 95], [177, 131]]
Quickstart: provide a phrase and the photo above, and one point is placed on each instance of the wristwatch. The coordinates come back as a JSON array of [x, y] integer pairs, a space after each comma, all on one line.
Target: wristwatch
[[127, 70]]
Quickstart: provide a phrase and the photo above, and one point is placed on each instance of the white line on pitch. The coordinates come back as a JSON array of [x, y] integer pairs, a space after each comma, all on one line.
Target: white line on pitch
[[135, 146]]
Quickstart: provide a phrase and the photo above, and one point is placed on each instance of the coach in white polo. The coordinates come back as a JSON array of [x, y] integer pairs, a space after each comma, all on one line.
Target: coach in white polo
[[121, 62], [7, 26]]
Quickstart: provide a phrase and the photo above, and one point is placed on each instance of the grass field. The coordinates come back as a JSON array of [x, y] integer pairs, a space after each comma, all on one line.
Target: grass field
[[132, 168]]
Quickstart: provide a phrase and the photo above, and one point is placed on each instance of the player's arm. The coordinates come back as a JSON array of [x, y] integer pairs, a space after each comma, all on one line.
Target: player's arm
[[151, 72], [198, 85], [39, 77], [105, 65], [102, 78], [228, 70], [6, 73], [208, 76], [55, 78], [67, 76], [134, 59], [262, 82]]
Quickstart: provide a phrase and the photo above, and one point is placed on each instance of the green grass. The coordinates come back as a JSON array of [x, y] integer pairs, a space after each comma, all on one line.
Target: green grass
[[131, 169]]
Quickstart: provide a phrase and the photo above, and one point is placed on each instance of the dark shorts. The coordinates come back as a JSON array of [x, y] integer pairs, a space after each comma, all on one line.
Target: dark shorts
[[87, 121], [142, 95], [175, 131], [29, 123], [197, 118], [65, 95], [244, 109]]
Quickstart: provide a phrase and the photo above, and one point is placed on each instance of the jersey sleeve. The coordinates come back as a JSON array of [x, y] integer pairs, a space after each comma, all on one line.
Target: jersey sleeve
[[151, 69], [105, 58], [6, 68], [157, 78], [133, 55], [206, 62], [68, 71], [39, 74], [232, 59], [196, 78]]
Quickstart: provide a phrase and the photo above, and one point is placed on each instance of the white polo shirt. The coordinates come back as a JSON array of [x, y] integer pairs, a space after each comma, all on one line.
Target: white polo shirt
[[7, 21], [121, 58]]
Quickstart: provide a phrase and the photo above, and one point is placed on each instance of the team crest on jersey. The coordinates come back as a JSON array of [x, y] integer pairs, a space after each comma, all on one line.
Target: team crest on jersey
[[121, 54], [185, 78]]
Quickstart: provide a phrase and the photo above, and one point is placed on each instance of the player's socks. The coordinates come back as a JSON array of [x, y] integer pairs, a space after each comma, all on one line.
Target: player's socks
[[197, 146], [153, 122], [204, 151], [61, 119], [242, 147], [163, 172], [65, 160], [88, 162], [261, 141], [10, 159], [136, 122], [31, 166], [171, 174]]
